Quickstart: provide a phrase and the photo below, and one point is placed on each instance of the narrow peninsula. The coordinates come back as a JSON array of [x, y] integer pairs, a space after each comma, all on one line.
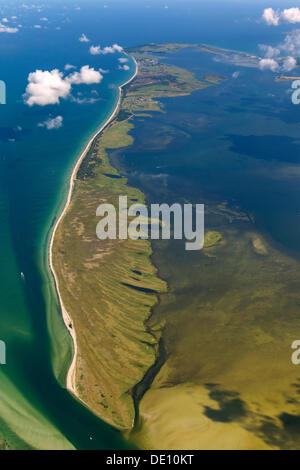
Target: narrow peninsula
[[108, 288]]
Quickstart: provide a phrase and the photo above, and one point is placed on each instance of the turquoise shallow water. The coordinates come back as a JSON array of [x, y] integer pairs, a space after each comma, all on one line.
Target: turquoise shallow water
[[34, 184], [35, 164]]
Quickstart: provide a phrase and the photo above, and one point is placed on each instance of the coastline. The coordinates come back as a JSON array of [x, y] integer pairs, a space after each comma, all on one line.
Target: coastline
[[70, 379]]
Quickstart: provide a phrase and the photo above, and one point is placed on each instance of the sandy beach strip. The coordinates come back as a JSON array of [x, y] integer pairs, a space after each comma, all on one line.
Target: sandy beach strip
[[70, 380]]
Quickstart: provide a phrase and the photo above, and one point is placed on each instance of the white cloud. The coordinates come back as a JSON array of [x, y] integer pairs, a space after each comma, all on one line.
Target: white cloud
[[285, 53], [235, 74], [84, 100], [271, 17], [84, 38], [6, 29], [269, 51], [112, 49], [87, 75], [44, 19], [290, 15], [46, 87], [291, 43], [275, 17], [269, 64], [96, 50], [4, 20], [69, 67], [289, 64], [37, 26], [52, 123], [124, 67], [123, 60], [290, 46]]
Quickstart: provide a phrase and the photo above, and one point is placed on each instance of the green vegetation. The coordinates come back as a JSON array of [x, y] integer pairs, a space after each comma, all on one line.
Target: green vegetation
[[116, 347], [167, 48], [157, 80], [216, 79], [4, 445], [117, 136], [258, 244], [211, 239]]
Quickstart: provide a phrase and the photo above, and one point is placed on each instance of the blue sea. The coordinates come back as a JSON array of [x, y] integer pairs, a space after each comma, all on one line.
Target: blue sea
[[35, 165]]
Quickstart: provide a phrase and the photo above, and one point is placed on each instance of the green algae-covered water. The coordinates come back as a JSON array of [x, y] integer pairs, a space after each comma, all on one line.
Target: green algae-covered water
[[35, 164], [232, 311]]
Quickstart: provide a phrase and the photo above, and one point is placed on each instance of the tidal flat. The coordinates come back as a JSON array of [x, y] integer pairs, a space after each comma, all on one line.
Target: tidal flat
[[232, 311], [231, 314]]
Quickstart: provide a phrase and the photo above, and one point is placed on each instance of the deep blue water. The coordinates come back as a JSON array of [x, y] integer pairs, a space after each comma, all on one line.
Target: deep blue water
[[244, 149], [35, 164]]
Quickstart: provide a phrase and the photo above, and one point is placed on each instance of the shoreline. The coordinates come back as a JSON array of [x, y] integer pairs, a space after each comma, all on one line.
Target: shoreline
[[70, 379]]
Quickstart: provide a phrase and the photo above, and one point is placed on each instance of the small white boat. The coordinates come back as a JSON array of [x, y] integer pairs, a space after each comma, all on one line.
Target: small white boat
[[22, 276]]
